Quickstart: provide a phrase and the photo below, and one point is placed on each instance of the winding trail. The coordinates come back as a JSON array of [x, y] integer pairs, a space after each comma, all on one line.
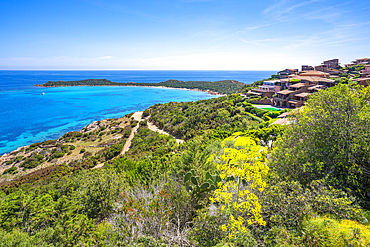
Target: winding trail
[[138, 116], [154, 128]]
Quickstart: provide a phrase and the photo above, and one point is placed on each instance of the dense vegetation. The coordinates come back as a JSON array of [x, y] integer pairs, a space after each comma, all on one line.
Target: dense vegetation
[[349, 74], [236, 181], [188, 119], [96, 143], [223, 87], [330, 141]]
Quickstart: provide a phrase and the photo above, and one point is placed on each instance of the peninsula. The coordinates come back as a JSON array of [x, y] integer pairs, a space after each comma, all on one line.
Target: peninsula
[[217, 87]]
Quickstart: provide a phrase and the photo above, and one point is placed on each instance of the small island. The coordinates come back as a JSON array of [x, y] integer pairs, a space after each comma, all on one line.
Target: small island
[[217, 87]]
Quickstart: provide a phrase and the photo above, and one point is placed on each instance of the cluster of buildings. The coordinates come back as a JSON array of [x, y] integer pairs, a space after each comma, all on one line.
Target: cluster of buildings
[[292, 87], [365, 73]]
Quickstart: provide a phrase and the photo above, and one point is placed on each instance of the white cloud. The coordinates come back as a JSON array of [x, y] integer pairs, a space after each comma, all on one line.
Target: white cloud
[[102, 58]]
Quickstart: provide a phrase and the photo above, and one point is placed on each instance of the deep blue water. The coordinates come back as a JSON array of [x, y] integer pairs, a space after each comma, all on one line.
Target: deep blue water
[[28, 117]]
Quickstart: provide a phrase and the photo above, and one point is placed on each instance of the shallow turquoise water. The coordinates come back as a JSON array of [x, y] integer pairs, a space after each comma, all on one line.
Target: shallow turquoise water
[[27, 117], [33, 117]]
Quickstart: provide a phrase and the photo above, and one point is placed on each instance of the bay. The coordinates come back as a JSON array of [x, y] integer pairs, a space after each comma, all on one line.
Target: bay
[[28, 116]]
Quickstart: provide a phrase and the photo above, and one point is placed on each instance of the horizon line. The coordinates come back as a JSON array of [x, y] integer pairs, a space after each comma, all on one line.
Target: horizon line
[[129, 70]]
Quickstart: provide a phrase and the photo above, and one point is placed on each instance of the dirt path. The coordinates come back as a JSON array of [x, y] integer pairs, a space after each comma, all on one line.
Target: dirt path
[[154, 128], [138, 116]]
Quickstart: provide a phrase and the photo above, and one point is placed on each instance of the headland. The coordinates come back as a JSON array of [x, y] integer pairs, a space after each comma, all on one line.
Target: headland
[[215, 88]]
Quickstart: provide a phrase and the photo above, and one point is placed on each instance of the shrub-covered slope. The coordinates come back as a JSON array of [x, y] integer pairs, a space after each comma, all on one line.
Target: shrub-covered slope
[[188, 119], [218, 188]]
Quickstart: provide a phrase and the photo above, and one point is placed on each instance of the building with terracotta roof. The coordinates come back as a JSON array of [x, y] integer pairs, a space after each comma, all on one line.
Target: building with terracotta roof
[[365, 72], [314, 73], [295, 95], [315, 88], [298, 100], [307, 67], [283, 83], [331, 64], [363, 81], [267, 89], [286, 98], [270, 86], [298, 86], [286, 73], [361, 61]]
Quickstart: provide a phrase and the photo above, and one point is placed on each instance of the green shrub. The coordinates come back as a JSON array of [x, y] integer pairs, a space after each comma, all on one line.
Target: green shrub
[[32, 161], [19, 158], [367, 217], [245, 240], [295, 80], [126, 133], [329, 139], [331, 232], [56, 154], [163, 211], [143, 123], [17, 238], [147, 241], [281, 236], [11, 170], [207, 227], [133, 123], [146, 113], [82, 150], [286, 204], [64, 148]]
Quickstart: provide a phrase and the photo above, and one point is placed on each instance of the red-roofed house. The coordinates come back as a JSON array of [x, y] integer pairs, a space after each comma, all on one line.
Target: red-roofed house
[[362, 61]]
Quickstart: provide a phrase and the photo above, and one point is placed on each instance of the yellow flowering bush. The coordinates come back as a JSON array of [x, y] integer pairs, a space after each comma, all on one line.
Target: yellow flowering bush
[[242, 169]]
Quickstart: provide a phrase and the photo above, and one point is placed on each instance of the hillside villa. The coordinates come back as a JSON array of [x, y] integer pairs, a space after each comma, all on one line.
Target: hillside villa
[[292, 88], [267, 89]]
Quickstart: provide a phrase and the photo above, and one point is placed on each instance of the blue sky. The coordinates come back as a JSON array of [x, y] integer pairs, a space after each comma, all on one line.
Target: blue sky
[[181, 34]]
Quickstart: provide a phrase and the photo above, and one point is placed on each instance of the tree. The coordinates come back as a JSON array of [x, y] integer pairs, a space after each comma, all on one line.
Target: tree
[[329, 139]]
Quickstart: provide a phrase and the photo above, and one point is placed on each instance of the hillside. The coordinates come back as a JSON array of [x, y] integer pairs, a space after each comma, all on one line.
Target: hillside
[[96, 143], [188, 119], [236, 180]]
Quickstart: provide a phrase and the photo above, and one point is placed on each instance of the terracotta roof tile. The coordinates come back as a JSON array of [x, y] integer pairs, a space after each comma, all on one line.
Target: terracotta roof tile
[[302, 94], [286, 91], [298, 85]]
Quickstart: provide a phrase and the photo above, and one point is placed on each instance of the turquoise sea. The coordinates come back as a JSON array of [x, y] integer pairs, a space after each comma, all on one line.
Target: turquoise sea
[[27, 116]]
